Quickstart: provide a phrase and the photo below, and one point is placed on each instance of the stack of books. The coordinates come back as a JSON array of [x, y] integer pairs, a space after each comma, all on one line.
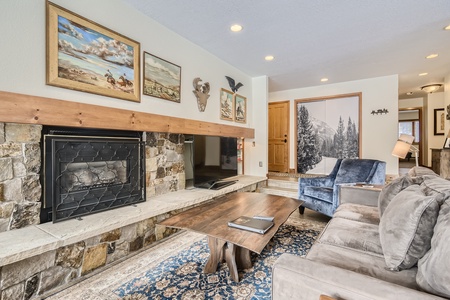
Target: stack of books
[[258, 224]]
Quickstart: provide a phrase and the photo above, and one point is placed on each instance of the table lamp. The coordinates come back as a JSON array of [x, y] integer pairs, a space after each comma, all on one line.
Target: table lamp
[[404, 145]]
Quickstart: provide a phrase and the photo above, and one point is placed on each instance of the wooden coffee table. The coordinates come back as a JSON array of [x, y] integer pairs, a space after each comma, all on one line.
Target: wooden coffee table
[[231, 244]]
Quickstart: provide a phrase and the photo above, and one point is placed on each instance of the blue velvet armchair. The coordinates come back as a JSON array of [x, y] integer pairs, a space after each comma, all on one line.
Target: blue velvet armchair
[[322, 193]]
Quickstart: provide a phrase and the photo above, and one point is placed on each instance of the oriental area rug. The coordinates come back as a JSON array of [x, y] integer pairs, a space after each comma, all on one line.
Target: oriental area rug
[[174, 270], [182, 277]]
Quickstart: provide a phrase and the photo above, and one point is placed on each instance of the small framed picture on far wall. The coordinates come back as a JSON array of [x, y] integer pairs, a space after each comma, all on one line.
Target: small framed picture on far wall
[[240, 109]]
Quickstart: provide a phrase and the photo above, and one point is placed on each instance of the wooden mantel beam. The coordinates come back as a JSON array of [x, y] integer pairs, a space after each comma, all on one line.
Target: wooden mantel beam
[[28, 109]]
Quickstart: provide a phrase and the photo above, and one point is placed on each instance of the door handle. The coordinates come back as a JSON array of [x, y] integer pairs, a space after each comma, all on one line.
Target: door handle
[[285, 140]]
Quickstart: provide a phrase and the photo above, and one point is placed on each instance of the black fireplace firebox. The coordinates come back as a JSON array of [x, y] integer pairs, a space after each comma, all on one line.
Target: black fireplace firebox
[[87, 171]]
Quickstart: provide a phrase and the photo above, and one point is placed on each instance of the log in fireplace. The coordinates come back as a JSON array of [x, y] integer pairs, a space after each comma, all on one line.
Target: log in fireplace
[[88, 170]]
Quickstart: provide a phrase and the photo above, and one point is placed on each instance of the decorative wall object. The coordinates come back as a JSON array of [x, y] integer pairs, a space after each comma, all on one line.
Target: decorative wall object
[[380, 111], [439, 121], [201, 91], [327, 128], [448, 112], [85, 56], [233, 86], [240, 108], [226, 105], [162, 79]]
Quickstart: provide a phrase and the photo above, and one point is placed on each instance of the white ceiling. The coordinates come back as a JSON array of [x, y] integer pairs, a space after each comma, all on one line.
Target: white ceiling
[[342, 40]]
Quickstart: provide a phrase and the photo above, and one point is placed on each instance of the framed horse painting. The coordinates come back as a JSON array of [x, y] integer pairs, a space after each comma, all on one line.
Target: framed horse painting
[[85, 56]]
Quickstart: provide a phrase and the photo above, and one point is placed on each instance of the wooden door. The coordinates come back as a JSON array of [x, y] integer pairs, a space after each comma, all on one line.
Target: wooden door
[[279, 136]]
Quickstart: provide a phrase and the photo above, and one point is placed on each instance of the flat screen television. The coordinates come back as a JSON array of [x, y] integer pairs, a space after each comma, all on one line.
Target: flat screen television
[[214, 160]]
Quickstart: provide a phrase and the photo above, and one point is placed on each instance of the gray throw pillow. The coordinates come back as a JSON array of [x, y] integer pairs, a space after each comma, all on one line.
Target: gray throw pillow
[[406, 227], [433, 273], [420, 171], [393, 188]]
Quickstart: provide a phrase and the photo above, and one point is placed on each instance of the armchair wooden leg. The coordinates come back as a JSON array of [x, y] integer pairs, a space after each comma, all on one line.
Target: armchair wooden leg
[[301, 210]]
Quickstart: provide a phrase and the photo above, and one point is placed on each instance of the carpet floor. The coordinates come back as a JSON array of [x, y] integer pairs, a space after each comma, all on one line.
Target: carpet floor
[[173, 270]]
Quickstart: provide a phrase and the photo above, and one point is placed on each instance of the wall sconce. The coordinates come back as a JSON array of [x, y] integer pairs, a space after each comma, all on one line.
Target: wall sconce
[[403, 145], [430, 88], [379, 111]]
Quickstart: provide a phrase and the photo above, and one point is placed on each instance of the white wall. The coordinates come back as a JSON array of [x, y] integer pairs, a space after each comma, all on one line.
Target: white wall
[[379, 132], [447, 99], [256, 149], [23, 54], [434, 100]]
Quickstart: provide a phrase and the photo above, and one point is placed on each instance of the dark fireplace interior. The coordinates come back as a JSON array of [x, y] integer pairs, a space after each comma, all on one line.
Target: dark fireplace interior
[[88, 170]]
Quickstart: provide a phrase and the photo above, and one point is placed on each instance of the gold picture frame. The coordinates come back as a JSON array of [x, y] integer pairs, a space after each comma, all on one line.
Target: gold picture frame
[[85, 56], [226, 105], [240, 109]]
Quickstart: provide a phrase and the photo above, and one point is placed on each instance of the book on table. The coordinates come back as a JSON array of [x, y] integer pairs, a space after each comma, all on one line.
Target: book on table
[[251, 224]]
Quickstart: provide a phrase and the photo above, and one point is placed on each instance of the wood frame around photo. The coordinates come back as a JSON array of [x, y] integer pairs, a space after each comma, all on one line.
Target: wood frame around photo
[[439, 121], [226, 105], [240, 109], [355, 101], [151, 77], [106, 64]]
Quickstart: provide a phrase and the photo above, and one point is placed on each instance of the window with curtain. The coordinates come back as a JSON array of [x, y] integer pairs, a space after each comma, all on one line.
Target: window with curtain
[[411, 127]]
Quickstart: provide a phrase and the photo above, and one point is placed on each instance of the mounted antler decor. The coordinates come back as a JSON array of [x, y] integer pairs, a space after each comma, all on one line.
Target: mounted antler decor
[[201, 91], [379, 111]]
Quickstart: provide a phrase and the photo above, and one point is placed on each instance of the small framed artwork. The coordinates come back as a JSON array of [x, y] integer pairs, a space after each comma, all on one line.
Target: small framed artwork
[[226, 105], [439, 121], [240, 108], [162, 79], [447, 143], [85, 56]]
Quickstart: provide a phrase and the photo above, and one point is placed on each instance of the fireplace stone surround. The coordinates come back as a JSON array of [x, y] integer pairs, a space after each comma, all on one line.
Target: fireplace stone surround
[[39, 259]]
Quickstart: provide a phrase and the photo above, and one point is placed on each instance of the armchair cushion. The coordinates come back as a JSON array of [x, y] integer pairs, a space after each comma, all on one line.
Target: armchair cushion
[[321, 193]]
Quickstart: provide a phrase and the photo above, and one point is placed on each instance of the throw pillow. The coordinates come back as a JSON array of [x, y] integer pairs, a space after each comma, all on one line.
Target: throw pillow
[[393, 188], [433, 268], [406, 227], [420, 171]]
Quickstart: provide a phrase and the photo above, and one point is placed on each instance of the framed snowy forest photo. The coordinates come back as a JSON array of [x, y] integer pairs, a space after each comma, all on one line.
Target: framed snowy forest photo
[[327, 128]]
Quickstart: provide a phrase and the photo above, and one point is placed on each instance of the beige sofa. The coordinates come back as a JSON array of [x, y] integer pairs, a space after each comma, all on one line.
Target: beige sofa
[[396, 248]]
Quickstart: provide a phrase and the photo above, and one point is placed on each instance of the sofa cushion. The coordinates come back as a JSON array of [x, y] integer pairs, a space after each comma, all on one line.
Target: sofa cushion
[[434, 267], [358, 212], [406, 227], [361, 262], [352, 234], [393, 188]]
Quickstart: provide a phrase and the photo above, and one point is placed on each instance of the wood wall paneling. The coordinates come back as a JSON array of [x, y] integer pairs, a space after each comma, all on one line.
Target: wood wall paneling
[[28, 109]]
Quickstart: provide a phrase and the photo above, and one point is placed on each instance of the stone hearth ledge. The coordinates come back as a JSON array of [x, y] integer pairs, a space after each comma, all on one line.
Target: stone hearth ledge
[[19, 244]]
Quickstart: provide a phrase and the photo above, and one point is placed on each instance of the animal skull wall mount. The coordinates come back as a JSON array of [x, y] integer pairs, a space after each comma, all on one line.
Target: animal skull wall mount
[[201, 91]]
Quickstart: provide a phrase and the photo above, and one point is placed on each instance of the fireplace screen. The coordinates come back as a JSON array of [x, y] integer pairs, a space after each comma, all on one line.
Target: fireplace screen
[[87, 174]]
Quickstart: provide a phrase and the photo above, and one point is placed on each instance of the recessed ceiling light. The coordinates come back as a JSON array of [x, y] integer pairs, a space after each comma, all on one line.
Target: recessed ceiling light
[[409, 93], [269, 57], [324, 79], [433, 55], [447, 28], [423, 74], [236, 28]]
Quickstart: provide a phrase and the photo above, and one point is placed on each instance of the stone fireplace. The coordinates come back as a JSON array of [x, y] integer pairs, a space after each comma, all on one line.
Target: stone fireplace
[[22, 181], [87, 171], [37, 259]]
